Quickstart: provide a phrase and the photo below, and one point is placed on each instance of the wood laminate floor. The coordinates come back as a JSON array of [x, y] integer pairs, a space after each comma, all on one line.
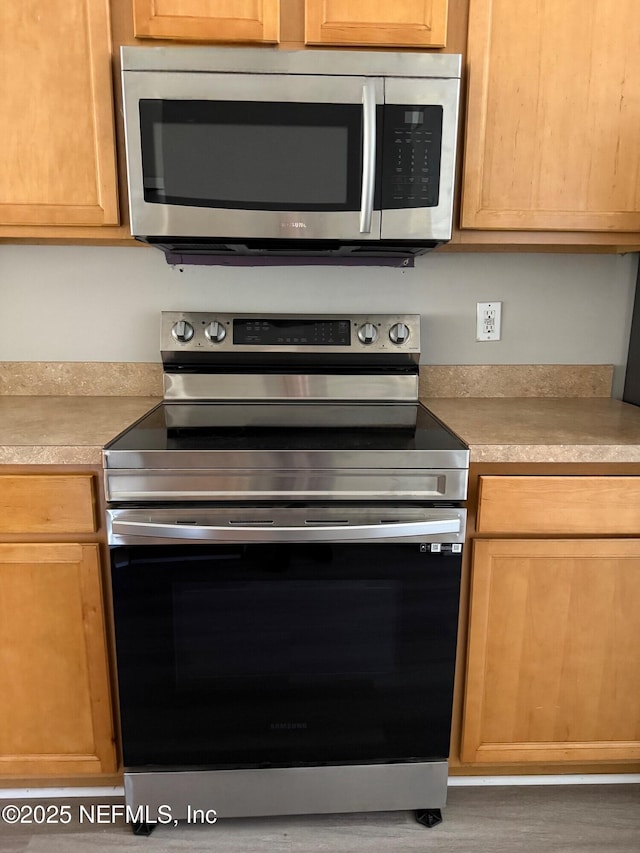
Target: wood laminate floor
[[562, 819]]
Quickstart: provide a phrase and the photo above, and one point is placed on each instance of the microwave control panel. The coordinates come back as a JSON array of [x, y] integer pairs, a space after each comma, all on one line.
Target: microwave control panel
[[412, 141]]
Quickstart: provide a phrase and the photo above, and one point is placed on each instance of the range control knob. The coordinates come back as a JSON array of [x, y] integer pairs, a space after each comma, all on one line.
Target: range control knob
[[182, 331], [367, 333], [215, 332], [399, 333]]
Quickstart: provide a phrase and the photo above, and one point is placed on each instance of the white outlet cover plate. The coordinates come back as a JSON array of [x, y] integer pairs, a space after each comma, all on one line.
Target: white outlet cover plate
[[489, 321]]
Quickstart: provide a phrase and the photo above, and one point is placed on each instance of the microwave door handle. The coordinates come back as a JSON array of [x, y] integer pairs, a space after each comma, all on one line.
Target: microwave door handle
[[258, 533], [368, 155]]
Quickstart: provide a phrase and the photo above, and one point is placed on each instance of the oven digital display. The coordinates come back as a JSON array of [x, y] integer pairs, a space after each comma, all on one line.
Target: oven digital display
[[295, 333]]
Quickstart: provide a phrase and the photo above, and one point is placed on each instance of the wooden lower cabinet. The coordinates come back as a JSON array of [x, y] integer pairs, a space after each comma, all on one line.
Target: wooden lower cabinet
[[553, 668], [55, 709]]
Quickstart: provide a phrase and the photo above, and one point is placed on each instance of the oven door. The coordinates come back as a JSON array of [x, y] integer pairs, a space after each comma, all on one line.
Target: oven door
[[285, 654], [253, 156]]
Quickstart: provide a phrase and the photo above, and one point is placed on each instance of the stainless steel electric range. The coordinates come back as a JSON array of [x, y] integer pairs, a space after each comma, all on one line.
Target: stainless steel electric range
[[286, 532]]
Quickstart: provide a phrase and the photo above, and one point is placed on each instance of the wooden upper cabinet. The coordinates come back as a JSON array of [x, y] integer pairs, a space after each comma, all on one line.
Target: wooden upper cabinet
[[553, 124], [208, 20], [57, 148], [402, 23]]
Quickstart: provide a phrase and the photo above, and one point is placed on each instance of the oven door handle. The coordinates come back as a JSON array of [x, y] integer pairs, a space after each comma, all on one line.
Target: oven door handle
[[263, 533]]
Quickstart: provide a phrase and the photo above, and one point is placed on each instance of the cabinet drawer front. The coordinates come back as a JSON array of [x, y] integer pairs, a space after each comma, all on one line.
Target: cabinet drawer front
[[33, 503], [559, 505]]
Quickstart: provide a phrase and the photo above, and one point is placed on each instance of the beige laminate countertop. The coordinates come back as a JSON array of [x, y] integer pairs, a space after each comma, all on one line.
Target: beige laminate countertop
[[44, 430], [536, 429], [63, 430]]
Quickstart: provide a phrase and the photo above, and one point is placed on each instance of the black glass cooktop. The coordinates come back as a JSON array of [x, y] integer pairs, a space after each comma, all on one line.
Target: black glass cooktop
[[286, 426]]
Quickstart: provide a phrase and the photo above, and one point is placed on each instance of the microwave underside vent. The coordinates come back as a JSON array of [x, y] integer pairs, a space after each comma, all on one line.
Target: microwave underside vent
[[204, 251]]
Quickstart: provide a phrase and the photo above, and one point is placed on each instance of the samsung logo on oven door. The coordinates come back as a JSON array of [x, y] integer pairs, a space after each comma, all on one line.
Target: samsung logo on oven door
[[293, 224], [286, 727]]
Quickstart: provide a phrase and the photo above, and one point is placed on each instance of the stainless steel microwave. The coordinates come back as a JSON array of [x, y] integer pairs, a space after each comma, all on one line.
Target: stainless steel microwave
[[244, 152]]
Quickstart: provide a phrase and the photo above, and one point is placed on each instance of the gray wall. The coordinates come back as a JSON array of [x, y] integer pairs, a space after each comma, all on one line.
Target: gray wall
[[69, 303]]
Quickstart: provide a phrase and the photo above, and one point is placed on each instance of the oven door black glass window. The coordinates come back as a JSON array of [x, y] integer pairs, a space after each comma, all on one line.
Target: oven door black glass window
[[251, 656]]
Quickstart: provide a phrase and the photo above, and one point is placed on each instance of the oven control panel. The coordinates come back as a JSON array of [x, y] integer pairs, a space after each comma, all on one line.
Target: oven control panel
[[187, 331]]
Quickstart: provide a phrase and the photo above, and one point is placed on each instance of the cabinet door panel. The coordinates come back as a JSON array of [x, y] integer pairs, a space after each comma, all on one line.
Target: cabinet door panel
[[553, 116], [404, 23], [553, 670], [56, 114], [208, 20], [55, 711]]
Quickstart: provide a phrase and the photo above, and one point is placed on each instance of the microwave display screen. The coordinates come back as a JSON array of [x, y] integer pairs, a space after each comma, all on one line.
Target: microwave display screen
[[413, 117], [252, 155]]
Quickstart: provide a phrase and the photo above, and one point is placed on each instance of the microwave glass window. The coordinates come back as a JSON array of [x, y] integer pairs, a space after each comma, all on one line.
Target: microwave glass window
[[261, 164], [252, 155]]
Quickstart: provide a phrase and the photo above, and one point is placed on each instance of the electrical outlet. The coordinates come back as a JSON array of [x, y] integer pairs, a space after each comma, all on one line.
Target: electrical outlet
[[489, 321]]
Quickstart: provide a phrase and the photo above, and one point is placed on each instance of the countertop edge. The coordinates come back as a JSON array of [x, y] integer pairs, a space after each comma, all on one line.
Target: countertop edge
[[27, 440], [550, 453]]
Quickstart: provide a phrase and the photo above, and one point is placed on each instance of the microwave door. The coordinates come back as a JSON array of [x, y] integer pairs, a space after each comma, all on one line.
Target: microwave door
[[253, 156]]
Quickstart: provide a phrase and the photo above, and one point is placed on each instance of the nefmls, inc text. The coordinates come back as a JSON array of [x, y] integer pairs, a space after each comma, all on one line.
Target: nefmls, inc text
[[108, 813]]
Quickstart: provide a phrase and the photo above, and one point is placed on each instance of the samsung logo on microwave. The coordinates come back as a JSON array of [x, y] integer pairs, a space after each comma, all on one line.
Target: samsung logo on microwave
[[278, 727], [293, 224]]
